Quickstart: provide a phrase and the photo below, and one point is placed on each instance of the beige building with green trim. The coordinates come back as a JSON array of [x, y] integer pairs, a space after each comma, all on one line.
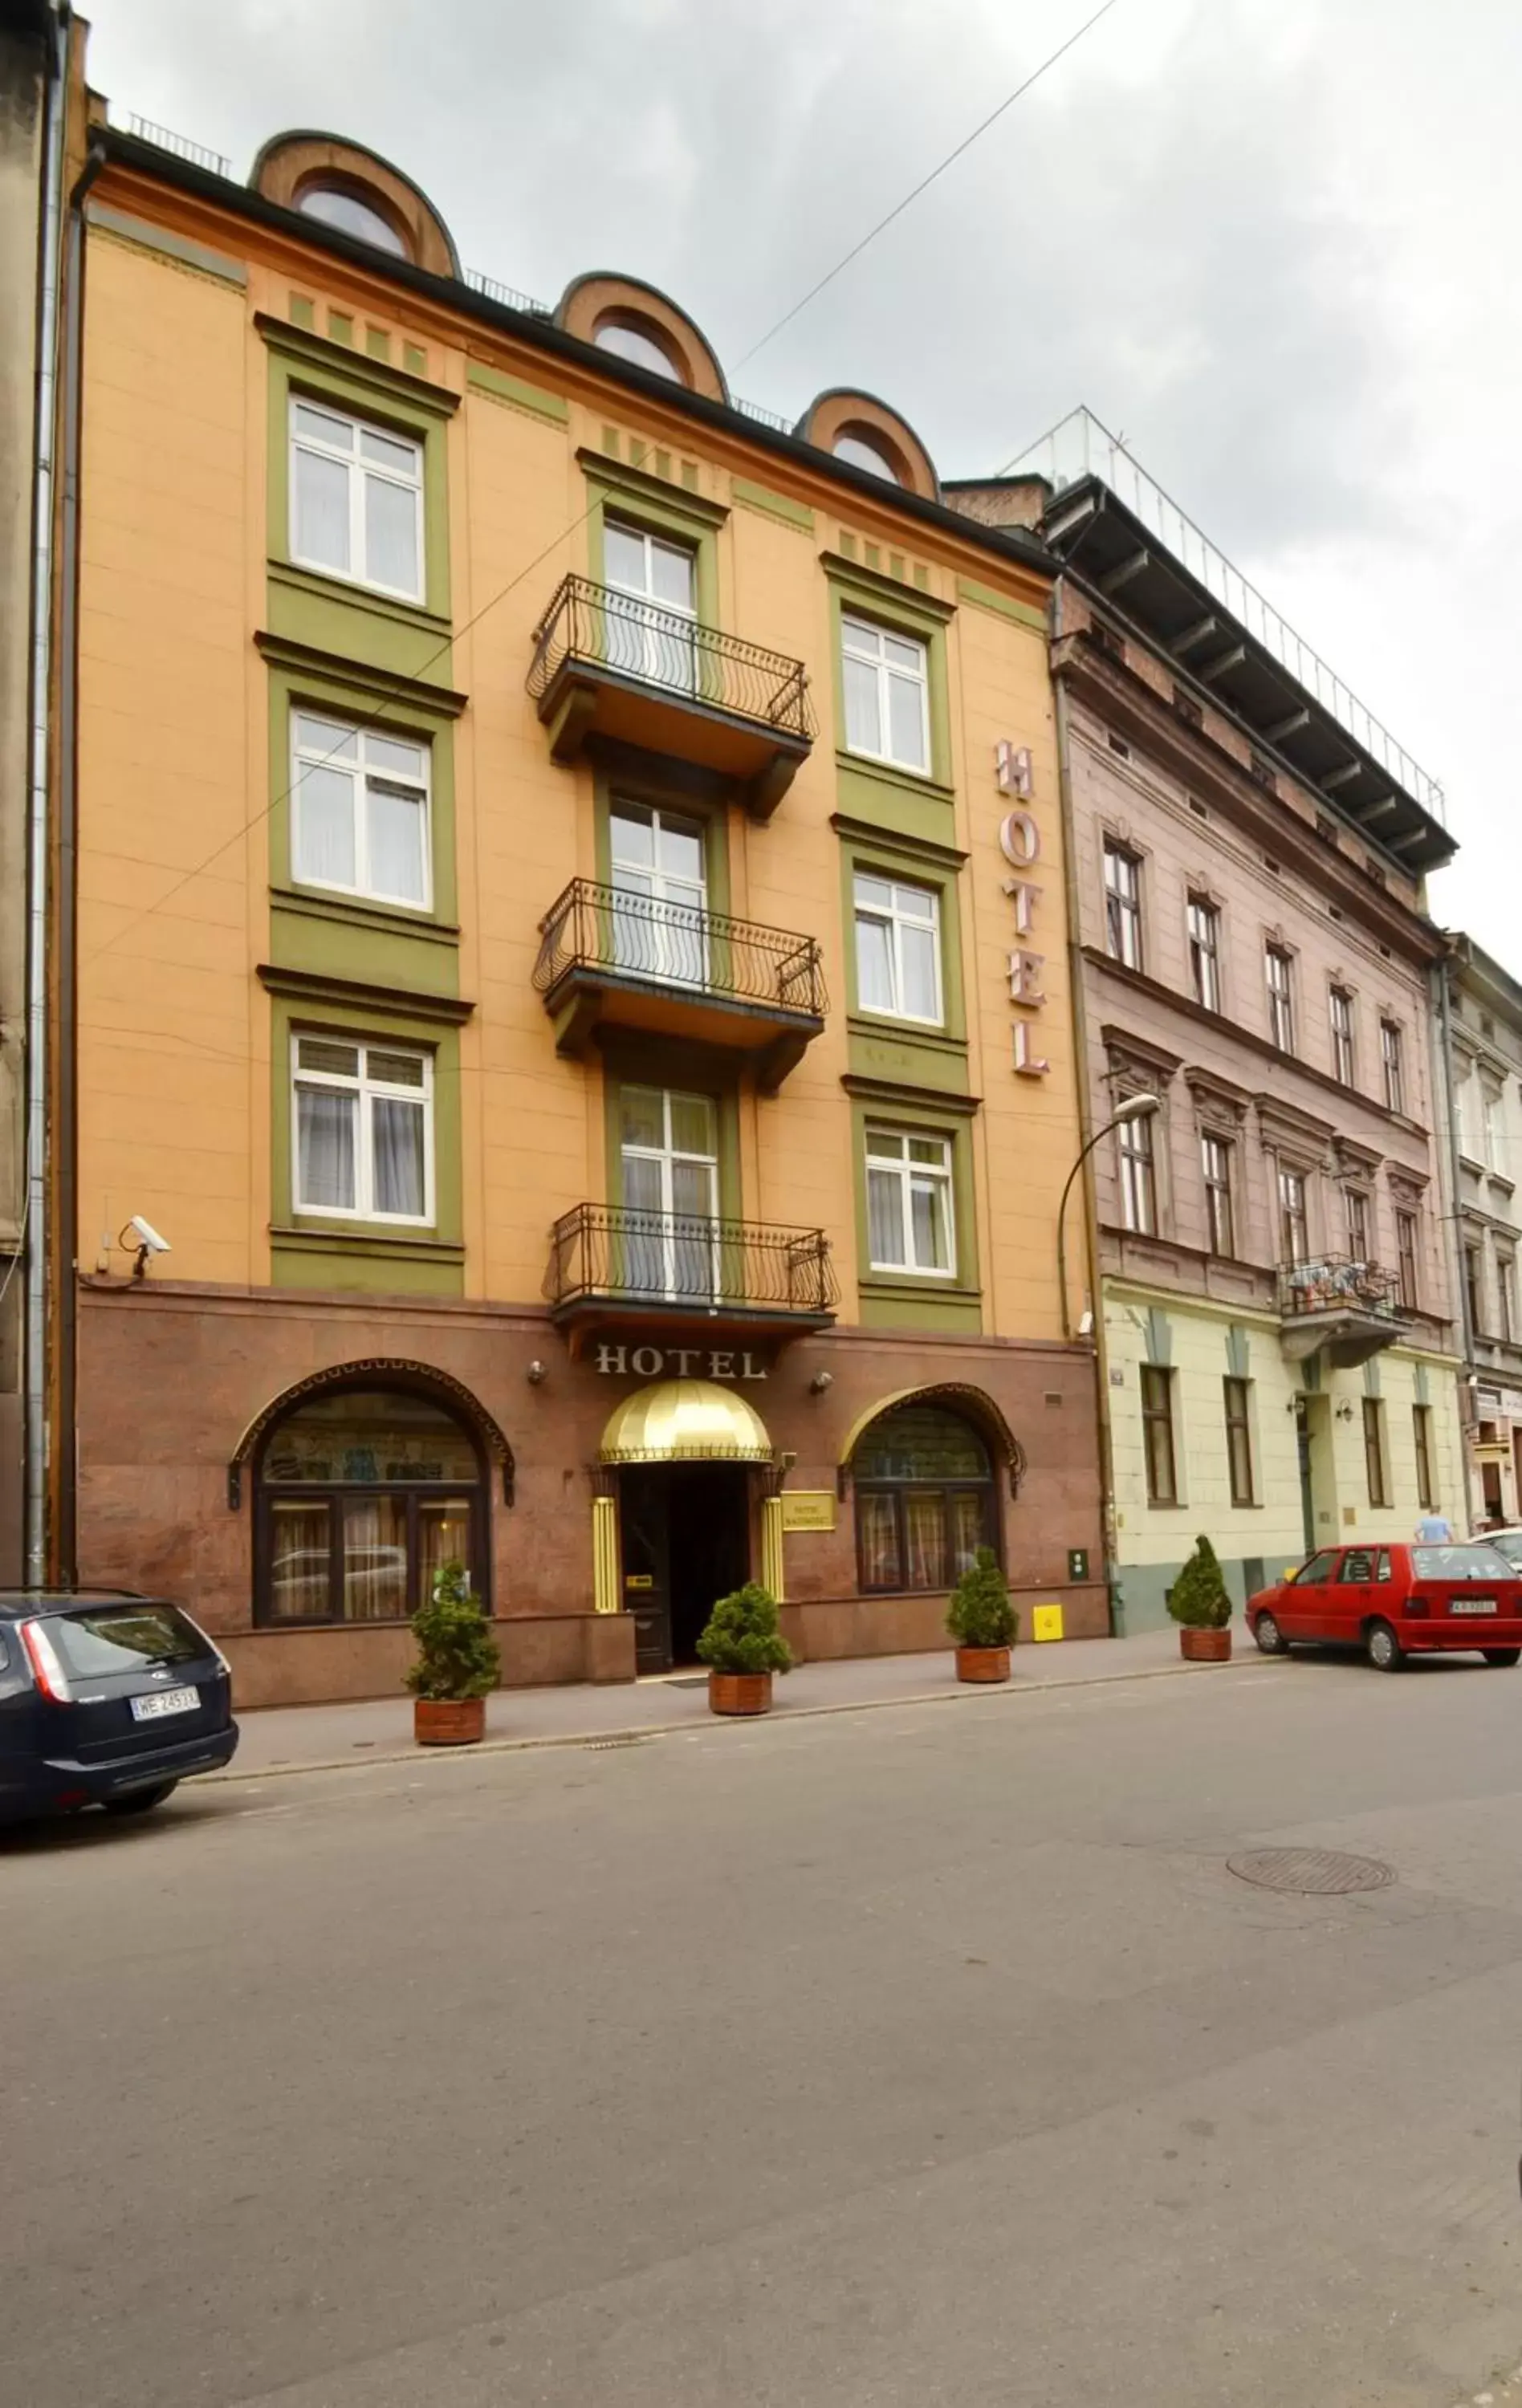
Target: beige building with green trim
[[569, 938]]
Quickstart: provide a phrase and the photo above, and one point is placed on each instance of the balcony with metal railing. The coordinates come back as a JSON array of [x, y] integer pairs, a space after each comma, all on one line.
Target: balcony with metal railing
[[616, 666], [608, 958], [1350, 1308], [729, 1280]]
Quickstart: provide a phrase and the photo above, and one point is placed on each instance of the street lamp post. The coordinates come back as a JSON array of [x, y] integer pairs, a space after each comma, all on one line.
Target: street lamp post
[[1135, 1108]]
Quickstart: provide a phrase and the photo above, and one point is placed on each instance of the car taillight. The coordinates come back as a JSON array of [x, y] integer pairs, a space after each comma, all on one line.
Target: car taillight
[[47, 1670], [1417, 1606]]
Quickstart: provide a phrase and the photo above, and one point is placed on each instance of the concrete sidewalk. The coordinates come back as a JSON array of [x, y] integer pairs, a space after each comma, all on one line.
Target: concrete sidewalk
[[305, 1738]]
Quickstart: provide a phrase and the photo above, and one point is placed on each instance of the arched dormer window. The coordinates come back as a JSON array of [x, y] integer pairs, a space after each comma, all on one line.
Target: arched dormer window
[[634, 338], [338, 204], [342, 184], [862, 432], [634, 321], [856, 445]]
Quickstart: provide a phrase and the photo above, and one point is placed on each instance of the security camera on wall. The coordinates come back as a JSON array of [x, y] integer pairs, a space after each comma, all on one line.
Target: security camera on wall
[[142, 1240]]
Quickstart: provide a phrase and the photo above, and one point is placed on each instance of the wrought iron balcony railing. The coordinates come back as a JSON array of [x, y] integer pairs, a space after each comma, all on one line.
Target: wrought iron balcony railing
[[602, 628], [690, 1261], [1338, 1283], [610, 932]]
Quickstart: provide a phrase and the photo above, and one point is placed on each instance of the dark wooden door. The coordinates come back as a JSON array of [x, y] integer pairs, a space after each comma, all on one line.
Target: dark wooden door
[[645, 1532]]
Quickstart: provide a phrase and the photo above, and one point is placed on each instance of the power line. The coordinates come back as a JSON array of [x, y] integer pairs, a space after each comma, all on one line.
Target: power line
[[925, 181]]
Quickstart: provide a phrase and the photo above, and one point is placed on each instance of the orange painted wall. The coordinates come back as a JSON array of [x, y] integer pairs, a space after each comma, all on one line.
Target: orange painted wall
[[175, 786]]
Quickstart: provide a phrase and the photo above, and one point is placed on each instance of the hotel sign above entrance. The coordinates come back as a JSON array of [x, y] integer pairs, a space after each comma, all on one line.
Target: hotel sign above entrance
[[644, 1362]]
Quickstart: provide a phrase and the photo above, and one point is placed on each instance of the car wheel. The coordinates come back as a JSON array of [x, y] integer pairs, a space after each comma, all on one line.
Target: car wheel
[[1269, 1635], [1502, 1657], [140, 1801], [1384, 1648]]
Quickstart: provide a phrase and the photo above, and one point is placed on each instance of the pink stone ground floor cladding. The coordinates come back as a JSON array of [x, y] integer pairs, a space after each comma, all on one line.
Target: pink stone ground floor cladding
[[292, 1468]]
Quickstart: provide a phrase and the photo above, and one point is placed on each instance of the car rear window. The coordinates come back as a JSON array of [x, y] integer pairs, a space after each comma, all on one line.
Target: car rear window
[[100, 1639], [1507, 1543], [1459, 1564]]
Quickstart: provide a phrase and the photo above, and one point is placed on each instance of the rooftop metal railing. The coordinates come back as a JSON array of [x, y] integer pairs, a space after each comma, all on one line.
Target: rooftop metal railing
[[1079, 446]]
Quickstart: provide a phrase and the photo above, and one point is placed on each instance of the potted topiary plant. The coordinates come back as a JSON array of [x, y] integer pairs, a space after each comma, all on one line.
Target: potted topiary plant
[[458, 1662], [1199, 1603], [981, 1620], [742, 1646]]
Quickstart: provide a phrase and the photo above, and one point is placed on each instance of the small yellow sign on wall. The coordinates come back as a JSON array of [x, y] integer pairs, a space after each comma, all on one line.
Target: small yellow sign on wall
[[808, 1509], [1046, 1621]]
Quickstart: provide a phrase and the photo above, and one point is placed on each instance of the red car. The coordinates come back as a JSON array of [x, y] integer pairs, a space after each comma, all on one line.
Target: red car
[[1396, 1601]]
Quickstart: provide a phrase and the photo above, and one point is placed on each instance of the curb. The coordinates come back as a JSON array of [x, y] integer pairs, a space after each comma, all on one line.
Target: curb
[[626, 1734]]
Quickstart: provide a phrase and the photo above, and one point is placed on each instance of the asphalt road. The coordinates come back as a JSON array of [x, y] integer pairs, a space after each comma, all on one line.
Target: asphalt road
[[880, 2061]]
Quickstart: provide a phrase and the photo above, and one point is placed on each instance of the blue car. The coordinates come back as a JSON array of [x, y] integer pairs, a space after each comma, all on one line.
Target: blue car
[[106, 1700]]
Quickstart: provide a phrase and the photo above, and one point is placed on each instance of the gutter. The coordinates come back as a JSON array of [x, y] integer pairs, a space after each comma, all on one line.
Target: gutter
[[1085, 1131], [1441, 976], [65, 1147], [44, 502]]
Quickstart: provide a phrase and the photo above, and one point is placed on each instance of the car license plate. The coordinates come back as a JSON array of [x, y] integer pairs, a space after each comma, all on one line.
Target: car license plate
[[1472, 1605], [165, 1701]]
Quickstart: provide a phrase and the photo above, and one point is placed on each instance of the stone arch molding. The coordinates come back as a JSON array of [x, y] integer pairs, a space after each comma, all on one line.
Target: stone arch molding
[[376, 1371], [958, 1396]]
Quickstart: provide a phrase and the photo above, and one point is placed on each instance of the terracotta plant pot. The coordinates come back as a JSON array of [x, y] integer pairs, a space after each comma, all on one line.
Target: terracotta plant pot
[[1204, 1646], [448, 1722], [739, 1693], [982, 1663]]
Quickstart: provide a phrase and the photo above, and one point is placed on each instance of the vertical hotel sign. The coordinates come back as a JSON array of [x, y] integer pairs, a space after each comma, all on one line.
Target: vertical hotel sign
[[1020, 843]]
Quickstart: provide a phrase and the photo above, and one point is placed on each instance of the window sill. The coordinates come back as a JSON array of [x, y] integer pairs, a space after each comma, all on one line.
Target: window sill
[[362, 597], [918, 1284], [360, 910], [364, 1237], [909, 782], [910, 1032]]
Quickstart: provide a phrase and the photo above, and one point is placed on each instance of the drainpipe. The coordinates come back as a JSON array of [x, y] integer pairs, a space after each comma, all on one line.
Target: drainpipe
[[1085, 1131], [35, 1211], [1441, 974]]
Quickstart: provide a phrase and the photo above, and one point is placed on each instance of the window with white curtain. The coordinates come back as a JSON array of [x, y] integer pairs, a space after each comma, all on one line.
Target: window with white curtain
[[898, 948], [886, 678], [356, 499], [363, 1139], [359, 810], [909, 1202]]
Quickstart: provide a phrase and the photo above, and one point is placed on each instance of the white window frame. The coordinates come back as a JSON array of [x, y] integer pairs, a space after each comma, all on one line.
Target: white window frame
[[360, 774], [1279, 974], [1204, 935], [1391, 1054], [865, 640], [1137, 1159], [1125, 892], [1344, 1055], [1294, 1187], [942, 1174], [1218, 1175], [638, 641], [358, 469], [896, 919], [368, 1090]]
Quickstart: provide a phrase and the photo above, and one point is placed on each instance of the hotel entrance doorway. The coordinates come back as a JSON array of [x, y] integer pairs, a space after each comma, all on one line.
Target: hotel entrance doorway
[[685, 1533]]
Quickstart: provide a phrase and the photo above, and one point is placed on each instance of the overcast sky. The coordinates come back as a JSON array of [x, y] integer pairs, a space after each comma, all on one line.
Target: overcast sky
[[1271, 242]]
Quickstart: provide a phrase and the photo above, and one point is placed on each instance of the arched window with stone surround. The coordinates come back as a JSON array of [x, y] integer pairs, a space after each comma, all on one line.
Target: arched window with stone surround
[[925, 1498], [361, 1494]]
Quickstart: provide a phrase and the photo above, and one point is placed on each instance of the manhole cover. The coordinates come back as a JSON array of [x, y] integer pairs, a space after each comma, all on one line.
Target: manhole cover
[[1313, 1872]]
